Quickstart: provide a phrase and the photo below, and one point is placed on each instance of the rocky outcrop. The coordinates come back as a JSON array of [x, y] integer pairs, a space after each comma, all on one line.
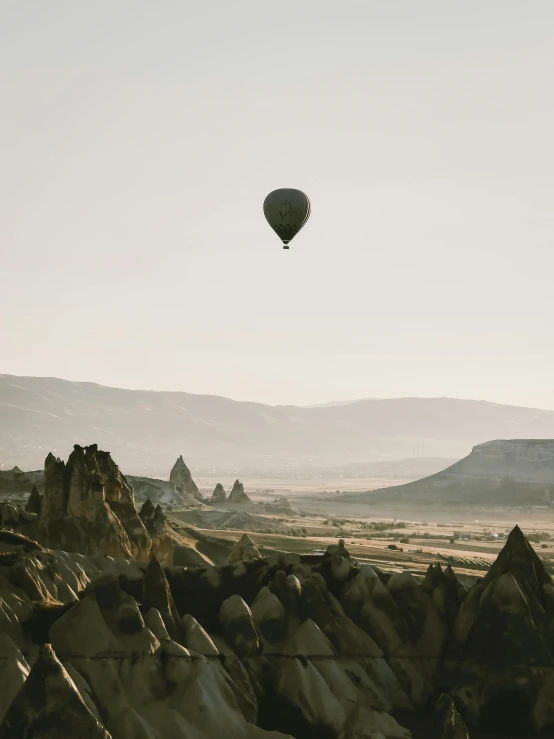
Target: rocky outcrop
[[155, 521], [14, 517], [181, 479], [164, 493], [49, 705], [156, 594], [218, 495], [499, 664], [448, 722], [238, 496], [281, 505], [34, 504], [301, 645], [89, 507], [244, 549], [171, 544]]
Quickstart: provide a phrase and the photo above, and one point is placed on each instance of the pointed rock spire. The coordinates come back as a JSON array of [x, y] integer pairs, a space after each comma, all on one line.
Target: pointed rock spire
[[244, 549], [147, 511], [237, 494], [34, 504], [49, 705], [448, 722], [157, 594], [181, 479], [218, 495], [518, 558]]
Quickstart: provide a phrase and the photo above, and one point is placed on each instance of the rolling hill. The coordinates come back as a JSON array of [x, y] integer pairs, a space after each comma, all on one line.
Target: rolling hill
[[146, 430], [502, 473]]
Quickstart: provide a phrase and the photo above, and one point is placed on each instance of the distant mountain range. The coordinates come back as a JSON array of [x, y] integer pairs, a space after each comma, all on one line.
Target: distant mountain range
[[146, 431], [333, 403]]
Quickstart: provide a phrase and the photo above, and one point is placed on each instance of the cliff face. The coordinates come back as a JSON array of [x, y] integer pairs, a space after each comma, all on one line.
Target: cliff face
[[515, 472], [88, 507], [520, 460]]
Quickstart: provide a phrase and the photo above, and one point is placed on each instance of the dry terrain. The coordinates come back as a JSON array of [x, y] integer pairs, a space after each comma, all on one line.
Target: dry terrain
[[469, 547], [263, 489]]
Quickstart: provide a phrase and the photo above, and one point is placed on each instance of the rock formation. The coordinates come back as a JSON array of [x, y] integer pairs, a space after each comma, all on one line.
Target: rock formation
[[181, 479], [14, 517], [156, 594], [244, 549], [155, 521], [281, 505], [448, 722], [238, 496], [170, 543], [218, 495], [164, 493], [34, 504], [49, 705], [89, 507], [270, 647]]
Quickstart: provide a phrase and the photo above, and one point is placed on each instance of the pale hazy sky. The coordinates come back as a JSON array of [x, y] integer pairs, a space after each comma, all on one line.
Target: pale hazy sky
[[139, 140]]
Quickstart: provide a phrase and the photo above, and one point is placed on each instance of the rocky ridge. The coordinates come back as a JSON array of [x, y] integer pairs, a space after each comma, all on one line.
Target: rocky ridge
[[239, 520], [267, 647]]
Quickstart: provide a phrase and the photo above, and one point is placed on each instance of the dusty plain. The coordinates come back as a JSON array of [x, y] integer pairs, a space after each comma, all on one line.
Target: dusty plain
[[468, 539]]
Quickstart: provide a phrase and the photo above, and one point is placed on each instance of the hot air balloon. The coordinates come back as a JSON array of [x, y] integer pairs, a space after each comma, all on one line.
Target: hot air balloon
[[286, 210]]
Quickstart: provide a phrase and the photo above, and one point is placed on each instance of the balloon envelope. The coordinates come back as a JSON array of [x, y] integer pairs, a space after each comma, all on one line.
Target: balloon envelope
[[286, 210]]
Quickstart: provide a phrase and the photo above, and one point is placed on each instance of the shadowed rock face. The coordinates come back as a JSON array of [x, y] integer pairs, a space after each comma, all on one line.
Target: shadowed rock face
[[34, 504], [147, 512], [180, 477], [499, 659], [49, 706], [88, 507], [519, 558], [237, 494], [156, 594], [306, 646], [448, 722]]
